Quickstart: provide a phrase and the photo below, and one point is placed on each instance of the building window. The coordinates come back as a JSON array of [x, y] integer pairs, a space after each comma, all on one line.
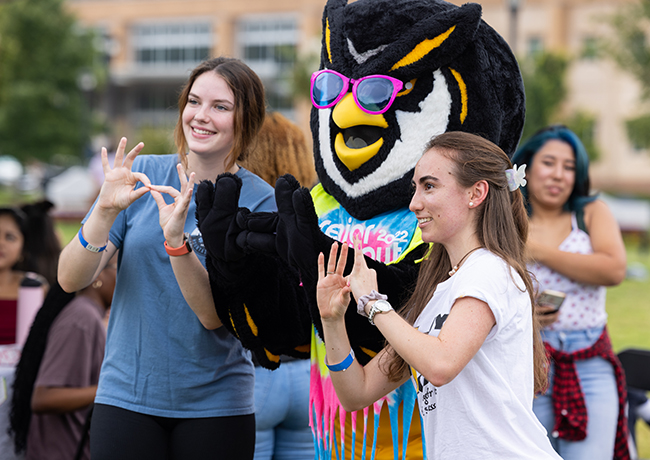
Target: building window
[[268, 46], [153, 105], [171, 44], [590, 48], [535, 46]]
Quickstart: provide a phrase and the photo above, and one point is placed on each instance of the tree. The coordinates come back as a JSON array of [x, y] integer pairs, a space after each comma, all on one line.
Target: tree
[[629, 48], [544, 77], [46, 58], [544, 81], [583, 124]]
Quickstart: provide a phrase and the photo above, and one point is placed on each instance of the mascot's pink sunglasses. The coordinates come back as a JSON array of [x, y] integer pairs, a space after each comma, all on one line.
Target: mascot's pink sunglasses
[[373, 94]]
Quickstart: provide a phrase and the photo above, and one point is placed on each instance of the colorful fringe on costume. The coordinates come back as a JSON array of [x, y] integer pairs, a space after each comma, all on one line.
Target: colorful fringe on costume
[[325, 407]]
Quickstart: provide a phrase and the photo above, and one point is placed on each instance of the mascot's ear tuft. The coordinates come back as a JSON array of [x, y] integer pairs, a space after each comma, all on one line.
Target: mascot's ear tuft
[[446, 36], [333, 8]]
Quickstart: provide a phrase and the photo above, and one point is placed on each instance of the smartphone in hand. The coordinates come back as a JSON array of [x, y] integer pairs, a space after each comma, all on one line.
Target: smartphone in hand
[[550, 298]]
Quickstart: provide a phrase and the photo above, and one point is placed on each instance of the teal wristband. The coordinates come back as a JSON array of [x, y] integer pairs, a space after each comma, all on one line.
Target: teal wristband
[[87, 245], [343, 365]]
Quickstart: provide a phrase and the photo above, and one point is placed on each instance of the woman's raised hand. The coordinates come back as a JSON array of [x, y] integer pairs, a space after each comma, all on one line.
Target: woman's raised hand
[[362, 279], [332, 291], [172, 216], [118, 190]]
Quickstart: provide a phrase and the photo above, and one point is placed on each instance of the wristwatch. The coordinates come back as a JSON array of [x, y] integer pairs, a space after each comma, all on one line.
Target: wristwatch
[[183, 249], [380, 306]]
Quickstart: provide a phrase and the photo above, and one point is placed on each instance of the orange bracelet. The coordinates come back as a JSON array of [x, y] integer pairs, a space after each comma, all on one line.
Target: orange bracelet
[[185, 248]]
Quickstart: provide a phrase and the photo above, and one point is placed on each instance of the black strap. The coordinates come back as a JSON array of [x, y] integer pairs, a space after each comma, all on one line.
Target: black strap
[[85, 434]]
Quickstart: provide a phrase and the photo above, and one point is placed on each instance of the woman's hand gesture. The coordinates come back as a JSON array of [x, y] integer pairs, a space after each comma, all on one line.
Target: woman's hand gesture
[[332, 290], [118, 190], [362, 279], [172, 216]]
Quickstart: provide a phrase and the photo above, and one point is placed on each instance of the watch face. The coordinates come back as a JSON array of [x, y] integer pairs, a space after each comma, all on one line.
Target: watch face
[[382, 305], [379, 306]]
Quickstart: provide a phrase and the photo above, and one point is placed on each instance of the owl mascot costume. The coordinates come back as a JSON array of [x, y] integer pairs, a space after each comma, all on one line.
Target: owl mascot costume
[[393, 74]]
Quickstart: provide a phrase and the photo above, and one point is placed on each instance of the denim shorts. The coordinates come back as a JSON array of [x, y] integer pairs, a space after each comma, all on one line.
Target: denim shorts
[[598, 383], [282, 412]]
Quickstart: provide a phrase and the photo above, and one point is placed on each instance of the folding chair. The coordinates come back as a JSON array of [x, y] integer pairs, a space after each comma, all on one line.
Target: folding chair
[[636, 364]]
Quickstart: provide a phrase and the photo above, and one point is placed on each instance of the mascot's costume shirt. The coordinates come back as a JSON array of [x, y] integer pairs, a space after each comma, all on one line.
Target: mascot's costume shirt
[[386, 238]]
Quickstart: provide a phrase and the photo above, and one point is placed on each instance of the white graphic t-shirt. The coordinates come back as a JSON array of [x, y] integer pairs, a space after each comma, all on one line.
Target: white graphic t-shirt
[[486, 411]]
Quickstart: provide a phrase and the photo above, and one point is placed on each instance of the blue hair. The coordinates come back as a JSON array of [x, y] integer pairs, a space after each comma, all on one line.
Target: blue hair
[[524, 155]]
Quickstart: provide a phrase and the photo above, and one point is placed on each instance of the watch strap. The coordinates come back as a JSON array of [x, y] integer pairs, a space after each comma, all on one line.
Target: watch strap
[[183, 249], [364, 299], [380, 306]]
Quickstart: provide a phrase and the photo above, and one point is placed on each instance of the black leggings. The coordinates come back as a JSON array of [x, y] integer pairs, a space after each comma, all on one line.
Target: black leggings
[[122, 434]]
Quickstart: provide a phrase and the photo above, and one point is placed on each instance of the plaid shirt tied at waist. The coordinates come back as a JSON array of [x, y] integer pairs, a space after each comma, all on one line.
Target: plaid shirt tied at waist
[[568, 399]]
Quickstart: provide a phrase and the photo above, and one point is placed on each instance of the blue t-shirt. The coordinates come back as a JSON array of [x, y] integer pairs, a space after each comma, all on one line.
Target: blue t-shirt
[[159, 358]]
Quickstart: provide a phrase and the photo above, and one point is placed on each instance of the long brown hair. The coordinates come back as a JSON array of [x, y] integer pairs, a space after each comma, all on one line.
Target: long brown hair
[[281, 148], [501, 228], [250, 109]]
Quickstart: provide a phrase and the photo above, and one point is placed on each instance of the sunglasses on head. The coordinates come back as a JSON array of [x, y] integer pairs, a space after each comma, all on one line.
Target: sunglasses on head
[[373, 94]]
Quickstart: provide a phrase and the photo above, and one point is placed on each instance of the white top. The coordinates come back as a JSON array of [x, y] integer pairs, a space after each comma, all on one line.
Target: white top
[[486, 412], [584, 305]]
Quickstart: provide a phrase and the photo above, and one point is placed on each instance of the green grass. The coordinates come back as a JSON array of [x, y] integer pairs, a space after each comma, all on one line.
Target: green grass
[[67, 230], [628, 322]]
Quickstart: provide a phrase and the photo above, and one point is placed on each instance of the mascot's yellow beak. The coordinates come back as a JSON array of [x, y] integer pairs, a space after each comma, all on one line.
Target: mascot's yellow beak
[[347, 115]]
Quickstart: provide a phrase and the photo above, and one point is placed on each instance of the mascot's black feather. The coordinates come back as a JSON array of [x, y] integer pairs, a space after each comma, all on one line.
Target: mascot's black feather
[[250, 282]]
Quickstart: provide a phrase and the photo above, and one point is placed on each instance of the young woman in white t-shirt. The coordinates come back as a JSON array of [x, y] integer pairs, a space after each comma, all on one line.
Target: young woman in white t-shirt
[[467, 336]]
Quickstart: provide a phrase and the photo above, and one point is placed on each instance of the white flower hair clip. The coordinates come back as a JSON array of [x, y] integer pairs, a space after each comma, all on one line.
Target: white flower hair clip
[[516, 177]]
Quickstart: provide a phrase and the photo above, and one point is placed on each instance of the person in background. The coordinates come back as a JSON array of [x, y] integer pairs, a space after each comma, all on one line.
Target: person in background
[[42, 243], [56, 378], [281, 148], [282, 428], [467, 336], [13, 252], [575, 247], [173, 383]]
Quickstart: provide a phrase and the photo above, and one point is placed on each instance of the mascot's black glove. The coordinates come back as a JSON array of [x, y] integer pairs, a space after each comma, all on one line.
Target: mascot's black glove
[[258, 233], [299, 238], [258, 297], [218, 215], [292, 232]]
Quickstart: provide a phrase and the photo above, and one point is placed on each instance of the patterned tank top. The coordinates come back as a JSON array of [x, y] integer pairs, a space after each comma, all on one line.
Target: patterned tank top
[[584, 306]]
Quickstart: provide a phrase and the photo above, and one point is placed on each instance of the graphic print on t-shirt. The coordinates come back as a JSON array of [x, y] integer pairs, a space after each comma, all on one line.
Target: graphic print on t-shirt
[[427, 393]]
